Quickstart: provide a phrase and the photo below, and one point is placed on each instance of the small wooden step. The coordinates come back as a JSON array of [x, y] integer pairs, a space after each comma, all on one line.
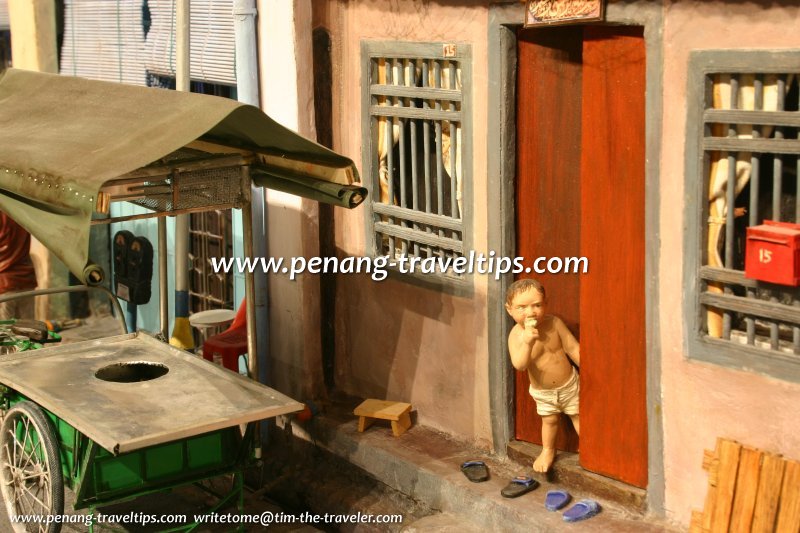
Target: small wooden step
[[399, 413]]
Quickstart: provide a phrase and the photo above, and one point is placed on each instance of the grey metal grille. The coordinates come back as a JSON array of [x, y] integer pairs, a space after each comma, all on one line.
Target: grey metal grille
[[750, 145], [417, 109], [191, 190]]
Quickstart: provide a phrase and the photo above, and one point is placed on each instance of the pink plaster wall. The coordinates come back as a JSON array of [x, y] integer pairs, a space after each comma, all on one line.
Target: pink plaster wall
[[396, 340], [703, 401]]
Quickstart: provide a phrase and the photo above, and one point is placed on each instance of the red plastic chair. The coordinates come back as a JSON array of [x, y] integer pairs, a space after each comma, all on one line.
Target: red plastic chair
[[226, 347]]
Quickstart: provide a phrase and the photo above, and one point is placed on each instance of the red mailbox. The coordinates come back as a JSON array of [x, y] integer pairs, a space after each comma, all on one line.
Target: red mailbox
[[773, 253]]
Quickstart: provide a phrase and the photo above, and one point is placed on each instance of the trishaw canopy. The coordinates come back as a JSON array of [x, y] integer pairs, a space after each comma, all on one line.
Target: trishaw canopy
[[63, 138]]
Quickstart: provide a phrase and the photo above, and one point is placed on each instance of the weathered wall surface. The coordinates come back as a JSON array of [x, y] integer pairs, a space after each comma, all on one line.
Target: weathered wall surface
[[399, 341], [703, 401], [396, 340], [295, 365]]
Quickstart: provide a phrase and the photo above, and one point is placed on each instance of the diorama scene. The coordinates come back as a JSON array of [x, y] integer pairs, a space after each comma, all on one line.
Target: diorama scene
[[401, 266]]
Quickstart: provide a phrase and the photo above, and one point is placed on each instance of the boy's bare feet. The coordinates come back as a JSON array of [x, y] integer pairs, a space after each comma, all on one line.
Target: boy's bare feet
[[545, 460]]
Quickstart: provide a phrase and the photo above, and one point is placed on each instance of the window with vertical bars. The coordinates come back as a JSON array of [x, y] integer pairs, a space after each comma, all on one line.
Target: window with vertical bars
[[748, 132], [211, 236], [417, 109]]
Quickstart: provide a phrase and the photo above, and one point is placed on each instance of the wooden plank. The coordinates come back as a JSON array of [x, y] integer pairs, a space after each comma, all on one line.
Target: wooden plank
[[413, 112], [769, 491], [696, 525], [364, 422], [776, 311], [762, 118], [428, 93], [727, 275], [419, 236], [383, 409], [711, 494], [789, 511], [726, 485], [771, 146], [709, 461], [440, 221], [401, 424], [744, 501]]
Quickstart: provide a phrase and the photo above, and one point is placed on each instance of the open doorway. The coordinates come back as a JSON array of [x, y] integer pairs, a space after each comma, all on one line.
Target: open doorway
[[580, 193]]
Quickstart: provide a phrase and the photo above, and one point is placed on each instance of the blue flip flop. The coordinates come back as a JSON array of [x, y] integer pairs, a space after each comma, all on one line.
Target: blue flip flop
[[581, 511], [556, 499]]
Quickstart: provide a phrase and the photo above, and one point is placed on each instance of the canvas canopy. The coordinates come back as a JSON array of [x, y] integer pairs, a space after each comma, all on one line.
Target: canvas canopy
[[62, 138]]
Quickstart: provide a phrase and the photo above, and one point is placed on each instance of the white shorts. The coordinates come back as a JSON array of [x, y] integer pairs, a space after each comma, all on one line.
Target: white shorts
[[564, 399]]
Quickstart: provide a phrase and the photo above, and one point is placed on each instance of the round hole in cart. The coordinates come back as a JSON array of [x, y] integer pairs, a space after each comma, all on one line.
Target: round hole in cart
[[131, 372]]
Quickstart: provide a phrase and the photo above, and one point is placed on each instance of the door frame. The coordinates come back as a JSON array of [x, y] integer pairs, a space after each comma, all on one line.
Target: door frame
[[504, 20]]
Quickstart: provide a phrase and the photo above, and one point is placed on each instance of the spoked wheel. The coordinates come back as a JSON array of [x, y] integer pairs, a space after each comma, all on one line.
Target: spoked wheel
[[30, 469]]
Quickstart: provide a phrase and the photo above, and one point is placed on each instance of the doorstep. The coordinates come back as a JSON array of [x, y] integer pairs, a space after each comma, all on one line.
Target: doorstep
[[569, 473], [423, 464]]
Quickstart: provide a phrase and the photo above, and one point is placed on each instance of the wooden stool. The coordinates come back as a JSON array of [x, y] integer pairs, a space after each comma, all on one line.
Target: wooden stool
[[398, 413]]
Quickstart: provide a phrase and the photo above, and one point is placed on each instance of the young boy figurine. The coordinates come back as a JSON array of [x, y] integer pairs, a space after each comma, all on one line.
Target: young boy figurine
[[543, 346]]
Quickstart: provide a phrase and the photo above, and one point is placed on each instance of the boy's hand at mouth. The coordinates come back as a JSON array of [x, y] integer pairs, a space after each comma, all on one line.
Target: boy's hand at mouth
[[530, 334]]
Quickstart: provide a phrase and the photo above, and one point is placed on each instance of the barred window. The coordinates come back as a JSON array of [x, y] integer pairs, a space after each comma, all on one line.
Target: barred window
[[747, 133], [416, 104]]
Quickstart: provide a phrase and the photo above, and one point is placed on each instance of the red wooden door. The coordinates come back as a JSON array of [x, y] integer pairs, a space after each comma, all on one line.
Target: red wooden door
[[580, 192], [613, 408], [548, 185]]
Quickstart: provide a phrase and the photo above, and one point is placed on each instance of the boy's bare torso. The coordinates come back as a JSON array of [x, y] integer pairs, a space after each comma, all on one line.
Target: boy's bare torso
[[549, 366]]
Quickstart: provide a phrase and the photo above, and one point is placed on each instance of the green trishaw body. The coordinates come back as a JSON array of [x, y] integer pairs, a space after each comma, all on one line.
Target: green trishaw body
[[98, 477]]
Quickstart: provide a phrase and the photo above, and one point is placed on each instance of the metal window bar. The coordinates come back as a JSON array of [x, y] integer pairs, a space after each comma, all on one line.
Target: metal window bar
[[755, 180], [437, 83], [210, 237], [730, 202], [777, 193], [427, 148], [453, 140], [422, 216], [769, 312], [389, 136], [414, 160], [400, 80]]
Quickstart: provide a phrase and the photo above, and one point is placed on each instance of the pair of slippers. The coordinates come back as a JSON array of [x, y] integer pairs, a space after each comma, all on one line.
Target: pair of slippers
[[557, 499], [477, 471]]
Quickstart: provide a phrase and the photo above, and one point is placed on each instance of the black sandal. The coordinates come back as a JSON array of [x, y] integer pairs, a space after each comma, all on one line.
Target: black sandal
[[519, 486], [476, 471]]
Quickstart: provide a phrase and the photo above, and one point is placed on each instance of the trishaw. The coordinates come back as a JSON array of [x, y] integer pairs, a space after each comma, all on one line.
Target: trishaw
[[128, 414]]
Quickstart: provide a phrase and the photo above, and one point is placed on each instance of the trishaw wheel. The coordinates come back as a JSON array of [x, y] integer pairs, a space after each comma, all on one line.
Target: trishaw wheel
[[30, 469]]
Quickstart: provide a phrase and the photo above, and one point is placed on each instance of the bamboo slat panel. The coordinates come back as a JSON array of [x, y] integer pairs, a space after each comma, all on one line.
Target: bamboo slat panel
[[748, 490]]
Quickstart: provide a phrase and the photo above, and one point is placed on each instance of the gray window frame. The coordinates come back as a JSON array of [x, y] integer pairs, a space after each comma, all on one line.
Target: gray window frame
[[371, 50], [703, 64]]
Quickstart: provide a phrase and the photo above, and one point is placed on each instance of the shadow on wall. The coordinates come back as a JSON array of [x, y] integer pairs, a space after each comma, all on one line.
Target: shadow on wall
[[399, 341]]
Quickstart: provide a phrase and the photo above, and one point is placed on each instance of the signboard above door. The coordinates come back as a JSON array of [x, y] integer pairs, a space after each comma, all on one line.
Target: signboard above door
[[551, 12]]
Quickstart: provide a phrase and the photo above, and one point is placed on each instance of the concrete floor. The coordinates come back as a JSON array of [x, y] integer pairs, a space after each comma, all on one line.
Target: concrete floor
[[327, 466], [183, 501]]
